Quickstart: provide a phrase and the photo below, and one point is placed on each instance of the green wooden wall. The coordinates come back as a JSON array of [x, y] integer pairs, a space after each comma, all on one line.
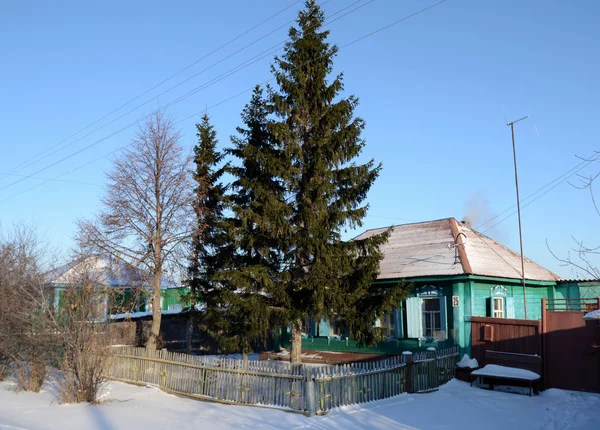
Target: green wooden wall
[[578, 290], [392, 347], [535, 294], [173, 296]]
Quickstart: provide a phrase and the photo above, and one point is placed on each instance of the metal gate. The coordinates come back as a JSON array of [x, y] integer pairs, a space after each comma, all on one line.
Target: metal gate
[[571, 345]]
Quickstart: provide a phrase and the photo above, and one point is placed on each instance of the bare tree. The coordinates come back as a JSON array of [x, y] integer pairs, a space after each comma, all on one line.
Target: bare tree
[[23, 315], [584, 257], [146, 214], [83, 333]]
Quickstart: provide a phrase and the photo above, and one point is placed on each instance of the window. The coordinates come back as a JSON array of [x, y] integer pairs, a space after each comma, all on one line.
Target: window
[[498, 307], [432, 318], [426, 314], [175, 307], [99, 309], [337, 328], [386, 324], [305, 325], [500, 304]]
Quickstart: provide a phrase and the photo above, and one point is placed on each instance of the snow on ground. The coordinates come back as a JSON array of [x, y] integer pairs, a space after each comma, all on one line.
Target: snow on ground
[[455, 406]]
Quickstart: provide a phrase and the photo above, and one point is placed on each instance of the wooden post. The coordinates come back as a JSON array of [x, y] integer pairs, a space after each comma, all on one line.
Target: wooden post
[[311, 401], [410, 377], [543, 341]]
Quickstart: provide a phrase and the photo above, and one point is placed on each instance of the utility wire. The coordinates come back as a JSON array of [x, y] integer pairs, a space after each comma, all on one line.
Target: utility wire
[[157, 85], [52, 179], [552, 184], [227, 99], [268, 52]]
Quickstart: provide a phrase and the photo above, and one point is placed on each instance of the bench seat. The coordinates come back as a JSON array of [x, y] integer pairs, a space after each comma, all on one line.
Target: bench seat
[[504, 372], [516, 369]]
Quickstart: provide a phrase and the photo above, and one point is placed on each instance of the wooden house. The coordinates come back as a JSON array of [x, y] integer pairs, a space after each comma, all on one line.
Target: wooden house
[[130, 290], [458, 273]]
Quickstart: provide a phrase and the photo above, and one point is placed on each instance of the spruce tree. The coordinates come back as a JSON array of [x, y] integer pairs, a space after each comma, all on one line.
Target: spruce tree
[[257, 215], [208, 205], [318, 139]]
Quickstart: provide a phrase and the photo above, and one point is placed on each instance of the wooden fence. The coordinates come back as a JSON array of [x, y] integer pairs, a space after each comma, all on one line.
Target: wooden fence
[[300, 388]]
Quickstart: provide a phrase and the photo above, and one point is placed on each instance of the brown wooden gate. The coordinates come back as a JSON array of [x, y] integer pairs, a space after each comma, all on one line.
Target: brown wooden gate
[[571, 360], [504, 335]]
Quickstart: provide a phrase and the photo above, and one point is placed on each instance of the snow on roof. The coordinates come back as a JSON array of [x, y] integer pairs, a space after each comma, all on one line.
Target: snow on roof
[[594, 315], [103, 270], [134, 315], [449, 247]]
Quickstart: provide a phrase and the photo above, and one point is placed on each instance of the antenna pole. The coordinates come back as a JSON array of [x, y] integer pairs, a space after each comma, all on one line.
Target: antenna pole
[[512, 129]]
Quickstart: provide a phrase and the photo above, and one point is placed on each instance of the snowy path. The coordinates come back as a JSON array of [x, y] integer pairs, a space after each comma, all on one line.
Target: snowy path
[[455, 406]]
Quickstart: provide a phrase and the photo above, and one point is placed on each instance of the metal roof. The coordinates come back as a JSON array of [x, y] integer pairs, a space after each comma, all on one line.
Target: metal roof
[[103, 270], [449, 247]]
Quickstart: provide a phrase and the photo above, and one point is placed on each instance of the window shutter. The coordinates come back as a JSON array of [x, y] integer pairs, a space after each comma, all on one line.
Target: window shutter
[[398, 323], [443, 319], [489, 305], [324, 328], [509, 303], [414, 316]]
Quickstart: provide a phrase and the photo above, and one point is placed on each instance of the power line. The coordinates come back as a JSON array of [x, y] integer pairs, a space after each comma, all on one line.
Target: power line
[[158, 84], [343, 46], [562, 178], [268, 52], [229, 98], [52, 179]]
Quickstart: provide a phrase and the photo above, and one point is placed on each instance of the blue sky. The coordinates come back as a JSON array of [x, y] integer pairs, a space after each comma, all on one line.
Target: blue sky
[[436, 92]]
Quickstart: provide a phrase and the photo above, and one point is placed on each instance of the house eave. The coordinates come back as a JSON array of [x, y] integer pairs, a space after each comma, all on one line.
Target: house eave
[[466, 277]]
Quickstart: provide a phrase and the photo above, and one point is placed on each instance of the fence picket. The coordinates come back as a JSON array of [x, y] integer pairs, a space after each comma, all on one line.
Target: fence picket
[[274, 383]]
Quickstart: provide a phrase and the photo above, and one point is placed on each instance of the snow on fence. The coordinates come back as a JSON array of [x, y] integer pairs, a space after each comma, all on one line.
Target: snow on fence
[[306, 389]]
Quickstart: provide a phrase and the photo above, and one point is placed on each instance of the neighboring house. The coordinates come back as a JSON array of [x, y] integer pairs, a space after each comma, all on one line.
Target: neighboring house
[[133, 290], [457, 273]]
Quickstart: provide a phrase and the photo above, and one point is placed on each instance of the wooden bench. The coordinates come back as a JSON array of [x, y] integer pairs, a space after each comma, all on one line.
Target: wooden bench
[[511, 368]]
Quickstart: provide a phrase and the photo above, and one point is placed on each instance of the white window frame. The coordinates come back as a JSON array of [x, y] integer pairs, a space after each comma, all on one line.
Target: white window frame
[[499, 313], [415, 316]]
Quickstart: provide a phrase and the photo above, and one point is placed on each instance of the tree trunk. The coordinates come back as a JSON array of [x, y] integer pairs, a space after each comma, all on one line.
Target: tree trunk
[[245, 359], [190, 331], [296, 353], [156, 310]]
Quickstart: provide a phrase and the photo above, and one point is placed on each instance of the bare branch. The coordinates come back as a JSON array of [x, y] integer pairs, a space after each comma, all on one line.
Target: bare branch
[[147, 206]]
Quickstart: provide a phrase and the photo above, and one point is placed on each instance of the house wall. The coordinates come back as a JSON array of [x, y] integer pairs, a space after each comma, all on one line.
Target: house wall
[[535, 294], [577, 290], [173, 297], [473, 294]]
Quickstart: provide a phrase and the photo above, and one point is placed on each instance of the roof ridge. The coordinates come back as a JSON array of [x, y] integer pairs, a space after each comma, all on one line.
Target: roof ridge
[[459, 243], [408, 223]]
